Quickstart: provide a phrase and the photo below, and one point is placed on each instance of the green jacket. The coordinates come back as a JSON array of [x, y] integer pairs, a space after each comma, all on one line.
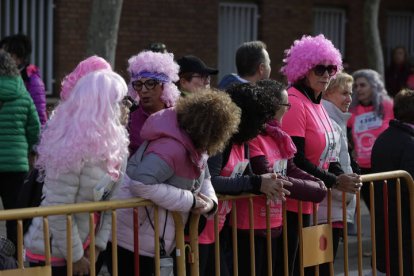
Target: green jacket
[[19, 125]]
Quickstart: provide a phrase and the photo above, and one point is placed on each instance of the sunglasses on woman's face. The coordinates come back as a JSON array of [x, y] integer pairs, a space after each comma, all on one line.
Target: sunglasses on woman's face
[[321, 69]]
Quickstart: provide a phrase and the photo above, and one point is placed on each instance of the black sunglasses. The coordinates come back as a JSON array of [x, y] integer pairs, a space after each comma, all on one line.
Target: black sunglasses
[[149, 84], [321, 69]]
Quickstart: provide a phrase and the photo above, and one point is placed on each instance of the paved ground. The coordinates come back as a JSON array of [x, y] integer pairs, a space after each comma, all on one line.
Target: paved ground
[[339, 263]]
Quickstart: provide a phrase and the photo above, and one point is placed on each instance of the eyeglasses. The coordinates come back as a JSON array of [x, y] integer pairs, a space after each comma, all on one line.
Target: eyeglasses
[[149, 84], [288, 105], [203, 77], [321, 69]]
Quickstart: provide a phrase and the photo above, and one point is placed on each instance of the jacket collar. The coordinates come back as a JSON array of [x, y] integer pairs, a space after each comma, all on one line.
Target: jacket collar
[[335, 113]]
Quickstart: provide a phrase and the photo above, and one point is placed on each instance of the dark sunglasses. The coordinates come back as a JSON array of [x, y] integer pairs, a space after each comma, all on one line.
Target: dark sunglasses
[[288, 105], [321, 69], [149, 84]]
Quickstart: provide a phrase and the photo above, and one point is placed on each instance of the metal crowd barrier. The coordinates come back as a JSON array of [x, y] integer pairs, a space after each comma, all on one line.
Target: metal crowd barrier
[[192, 241]]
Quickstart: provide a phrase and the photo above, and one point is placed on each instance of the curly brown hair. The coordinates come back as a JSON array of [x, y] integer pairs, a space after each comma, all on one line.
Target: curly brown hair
[[210, 118]]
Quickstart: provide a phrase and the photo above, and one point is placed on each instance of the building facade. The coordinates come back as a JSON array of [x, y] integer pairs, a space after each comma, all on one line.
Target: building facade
[[211, 29]]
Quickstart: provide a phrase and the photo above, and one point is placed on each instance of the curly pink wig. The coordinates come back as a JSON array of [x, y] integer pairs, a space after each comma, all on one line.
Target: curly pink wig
[[306, 53], [159, 63], [86, 127], [86, 66]]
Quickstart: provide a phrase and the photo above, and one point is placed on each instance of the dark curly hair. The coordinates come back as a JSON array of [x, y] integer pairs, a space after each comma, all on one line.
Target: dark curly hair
[[19, 45], [209, 117], [258, 106], [275, 88]]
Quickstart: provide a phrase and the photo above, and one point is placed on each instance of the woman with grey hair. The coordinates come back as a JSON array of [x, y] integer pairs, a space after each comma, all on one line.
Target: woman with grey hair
[[20, 127], [372, 110]]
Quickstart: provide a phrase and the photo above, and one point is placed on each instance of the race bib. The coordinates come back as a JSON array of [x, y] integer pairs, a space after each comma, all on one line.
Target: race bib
[[280, 167], [367, 121], [239, 169]]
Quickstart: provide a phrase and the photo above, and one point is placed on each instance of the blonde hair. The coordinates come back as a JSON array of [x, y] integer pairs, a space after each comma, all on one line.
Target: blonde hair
[[340, 80]]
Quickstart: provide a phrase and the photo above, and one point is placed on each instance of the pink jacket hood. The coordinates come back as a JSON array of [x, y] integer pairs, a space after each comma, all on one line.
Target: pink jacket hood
[[164, 124]]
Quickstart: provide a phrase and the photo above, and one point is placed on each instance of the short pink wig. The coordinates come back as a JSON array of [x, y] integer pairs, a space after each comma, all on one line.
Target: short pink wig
[[86, 66], [86, 127], [160, 63], [306, 53]]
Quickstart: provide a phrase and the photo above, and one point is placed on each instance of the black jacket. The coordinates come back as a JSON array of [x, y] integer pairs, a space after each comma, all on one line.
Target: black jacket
[[393, 150]]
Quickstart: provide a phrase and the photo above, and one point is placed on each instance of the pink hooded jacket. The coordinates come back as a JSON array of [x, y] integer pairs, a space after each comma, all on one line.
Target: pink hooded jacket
[[170, 158]]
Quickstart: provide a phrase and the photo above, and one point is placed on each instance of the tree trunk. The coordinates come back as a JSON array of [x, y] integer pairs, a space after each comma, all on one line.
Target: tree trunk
[[371, 36], [103, 29]]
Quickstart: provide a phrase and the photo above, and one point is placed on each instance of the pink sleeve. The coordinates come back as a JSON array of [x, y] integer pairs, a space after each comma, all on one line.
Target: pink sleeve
[[388, 111], [294, 121], [254, 148]]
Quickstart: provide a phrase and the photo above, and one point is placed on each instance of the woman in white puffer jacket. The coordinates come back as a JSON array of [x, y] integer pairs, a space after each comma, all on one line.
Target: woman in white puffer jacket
[[82, 157]]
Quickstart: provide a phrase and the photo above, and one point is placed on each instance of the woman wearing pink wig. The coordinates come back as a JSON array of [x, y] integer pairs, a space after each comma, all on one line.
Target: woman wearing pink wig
[[91, 64], [310, 64], [152, 78], [80, 162]]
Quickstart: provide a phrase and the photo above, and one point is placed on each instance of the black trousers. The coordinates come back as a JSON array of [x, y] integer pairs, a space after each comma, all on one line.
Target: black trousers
[[260, 247], [293, 242], [11, 183], [126, 262]]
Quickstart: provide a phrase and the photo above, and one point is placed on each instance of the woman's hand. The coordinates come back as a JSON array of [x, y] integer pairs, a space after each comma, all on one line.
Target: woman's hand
[[272, 187], [206, 207], [81, 267], [97, 251], [350, 183]]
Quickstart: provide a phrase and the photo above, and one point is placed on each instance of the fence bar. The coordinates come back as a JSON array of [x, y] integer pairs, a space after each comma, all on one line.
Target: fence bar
[[251, 235], [315, 222], [157, 241], [136, 241], [217, 244], [300, 226], [46, 239], [331, 267], [386, 228], [20, 243], [372, 212], [69, 269], [285, 241], [268, 242], [234, 239], [194, 220], [345, 233], [92, 271], [179, 242], [114, 245], [399, 227], [359, 233]]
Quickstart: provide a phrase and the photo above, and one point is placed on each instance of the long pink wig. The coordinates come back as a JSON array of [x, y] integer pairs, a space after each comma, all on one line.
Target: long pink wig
[[161, 63], [86, 66], [86, 127], [307, 52]]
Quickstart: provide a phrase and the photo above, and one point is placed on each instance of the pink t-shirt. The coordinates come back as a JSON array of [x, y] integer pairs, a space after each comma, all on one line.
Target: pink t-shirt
[[366, 127], [236, 165], [310, 121], [263, 145]]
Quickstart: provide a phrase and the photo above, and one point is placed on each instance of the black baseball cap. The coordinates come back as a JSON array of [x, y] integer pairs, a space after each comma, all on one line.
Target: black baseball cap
[[193, 64]]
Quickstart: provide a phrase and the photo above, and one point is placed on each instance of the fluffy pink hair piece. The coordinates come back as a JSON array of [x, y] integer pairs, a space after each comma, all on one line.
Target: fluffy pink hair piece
[[307, 52], [156, 63], [86, 127], [86, 66]]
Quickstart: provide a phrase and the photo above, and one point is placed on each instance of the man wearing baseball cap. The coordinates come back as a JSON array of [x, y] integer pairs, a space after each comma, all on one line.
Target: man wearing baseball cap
[[194, 74]]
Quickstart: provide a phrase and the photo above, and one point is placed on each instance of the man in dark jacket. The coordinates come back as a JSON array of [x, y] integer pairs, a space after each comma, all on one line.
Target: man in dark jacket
[[252, 62], [393, 150]]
